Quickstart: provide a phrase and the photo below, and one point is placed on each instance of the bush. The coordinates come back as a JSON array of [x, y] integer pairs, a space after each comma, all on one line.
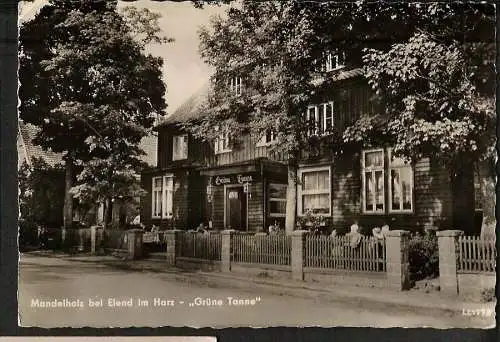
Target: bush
[[424, 256], [28, 234]]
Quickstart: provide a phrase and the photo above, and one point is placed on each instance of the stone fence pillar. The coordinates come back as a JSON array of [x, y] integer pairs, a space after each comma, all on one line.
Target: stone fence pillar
[[134, 243], [226, 250], [447, 242], [93, 239], [172, 238], [297, 254], [398, 265]]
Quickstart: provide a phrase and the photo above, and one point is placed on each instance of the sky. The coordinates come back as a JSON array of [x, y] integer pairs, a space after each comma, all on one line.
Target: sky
[[184, 72]]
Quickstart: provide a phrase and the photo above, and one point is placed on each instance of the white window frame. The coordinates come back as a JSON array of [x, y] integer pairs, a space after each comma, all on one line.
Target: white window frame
[[263, 141], [276, 199], [373, 170], [221, 143], [301, 192], [332, 61], [236, 85], [400, 166], [178, 154], [316, 118], [165, 191]]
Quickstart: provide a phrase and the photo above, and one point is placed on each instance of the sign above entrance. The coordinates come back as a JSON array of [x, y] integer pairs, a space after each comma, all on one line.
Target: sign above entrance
[[219, 180], [234, 179]]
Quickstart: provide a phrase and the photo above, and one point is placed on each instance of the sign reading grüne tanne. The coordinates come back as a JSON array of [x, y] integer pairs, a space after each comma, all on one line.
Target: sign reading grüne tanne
[[234, 179]]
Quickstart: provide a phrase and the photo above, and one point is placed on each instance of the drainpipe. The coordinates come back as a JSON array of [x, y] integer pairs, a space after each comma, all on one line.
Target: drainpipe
[[264, 196]]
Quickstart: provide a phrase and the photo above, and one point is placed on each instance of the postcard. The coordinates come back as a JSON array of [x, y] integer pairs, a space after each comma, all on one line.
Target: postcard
[[256, 164]]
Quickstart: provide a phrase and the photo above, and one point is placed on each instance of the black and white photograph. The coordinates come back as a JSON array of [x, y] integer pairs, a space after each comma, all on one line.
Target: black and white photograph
[[237, 163]]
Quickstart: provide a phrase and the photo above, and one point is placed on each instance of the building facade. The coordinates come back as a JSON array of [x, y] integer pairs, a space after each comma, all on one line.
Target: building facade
[[243, 187]]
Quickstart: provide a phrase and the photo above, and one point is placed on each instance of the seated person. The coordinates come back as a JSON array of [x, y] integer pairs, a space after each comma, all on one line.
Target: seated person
[[354, 235]]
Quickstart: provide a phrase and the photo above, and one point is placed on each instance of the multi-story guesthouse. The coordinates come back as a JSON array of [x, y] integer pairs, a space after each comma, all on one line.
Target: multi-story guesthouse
[[243, 187]]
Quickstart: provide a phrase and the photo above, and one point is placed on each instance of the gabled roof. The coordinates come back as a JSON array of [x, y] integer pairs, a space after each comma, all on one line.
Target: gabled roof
[[191, 108], [30, 151]]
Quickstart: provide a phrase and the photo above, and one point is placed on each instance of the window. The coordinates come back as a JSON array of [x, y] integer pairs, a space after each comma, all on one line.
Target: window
[[399, 180], [400, 185], [320, 119], [314, 191], [267, 139], [162, 192], [180, 147], [373, 181], [334, 61], [222, 141], [235, 85], [277, 200]]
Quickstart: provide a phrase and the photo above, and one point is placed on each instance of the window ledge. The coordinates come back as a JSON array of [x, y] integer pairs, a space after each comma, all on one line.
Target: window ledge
[[374, 213], [405, 212], [224, 151]]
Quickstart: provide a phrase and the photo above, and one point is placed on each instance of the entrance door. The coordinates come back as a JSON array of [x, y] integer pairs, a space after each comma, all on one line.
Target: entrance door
[[236, 208]]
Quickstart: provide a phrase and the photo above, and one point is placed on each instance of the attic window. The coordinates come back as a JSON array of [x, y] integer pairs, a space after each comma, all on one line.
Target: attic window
[[235, 85], [334, 61]]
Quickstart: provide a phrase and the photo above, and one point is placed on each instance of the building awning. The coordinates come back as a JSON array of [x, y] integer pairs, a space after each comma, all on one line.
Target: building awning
[[255, 166]]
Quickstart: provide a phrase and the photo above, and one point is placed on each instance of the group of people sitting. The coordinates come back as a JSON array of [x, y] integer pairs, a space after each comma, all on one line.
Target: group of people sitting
[[354, 235]]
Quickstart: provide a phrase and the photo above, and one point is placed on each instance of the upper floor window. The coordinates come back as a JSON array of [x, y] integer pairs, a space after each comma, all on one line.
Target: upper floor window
[[399, 180], [268, 138], [314, 191], [235, 85], [320, 119], [222, 141], [162, 196], [334, 61], [180, 147]]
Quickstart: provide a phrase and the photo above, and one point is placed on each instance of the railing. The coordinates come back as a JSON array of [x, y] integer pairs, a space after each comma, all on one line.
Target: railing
[[262, 249], [201, 246], [115, 239], [336, 253], [476, 254]]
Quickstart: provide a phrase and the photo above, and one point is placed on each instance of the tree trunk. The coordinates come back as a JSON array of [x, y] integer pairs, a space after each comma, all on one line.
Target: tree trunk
[[108, 212], [291, 198], [68, 197]]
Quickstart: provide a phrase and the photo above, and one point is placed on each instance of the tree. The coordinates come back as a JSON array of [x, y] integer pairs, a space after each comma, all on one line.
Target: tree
[[89, 86], [431, 107], [40, 188], [276, 48]]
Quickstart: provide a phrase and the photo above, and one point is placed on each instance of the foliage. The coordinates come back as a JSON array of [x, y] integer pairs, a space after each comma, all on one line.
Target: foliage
[[89, 86], [41, 189], [431, 105], [316, 223], [276, 48], [424, 256]]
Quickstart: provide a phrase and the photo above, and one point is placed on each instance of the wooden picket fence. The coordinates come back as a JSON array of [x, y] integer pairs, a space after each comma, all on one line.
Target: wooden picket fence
[[201, 246], [476, 254], [335, 253], [262, 249]]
